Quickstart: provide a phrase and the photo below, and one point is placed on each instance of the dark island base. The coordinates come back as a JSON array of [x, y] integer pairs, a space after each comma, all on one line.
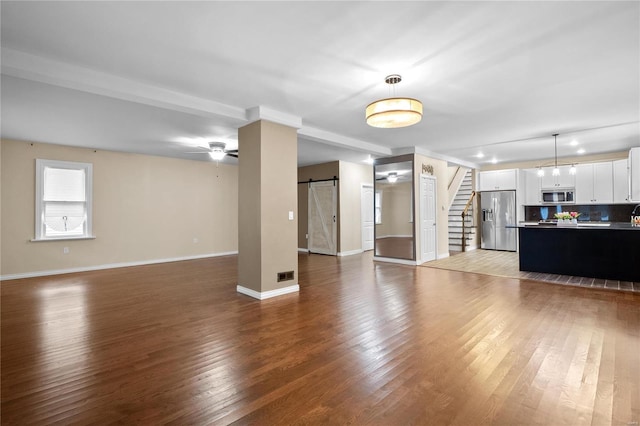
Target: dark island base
[[612, 254]]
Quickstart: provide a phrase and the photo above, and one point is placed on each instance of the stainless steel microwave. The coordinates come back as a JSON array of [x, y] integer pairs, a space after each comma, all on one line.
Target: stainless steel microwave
[[558, 196]]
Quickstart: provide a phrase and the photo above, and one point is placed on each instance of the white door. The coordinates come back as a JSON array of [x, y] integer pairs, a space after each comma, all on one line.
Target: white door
[[322, 217], [427, 218], [367, 217]]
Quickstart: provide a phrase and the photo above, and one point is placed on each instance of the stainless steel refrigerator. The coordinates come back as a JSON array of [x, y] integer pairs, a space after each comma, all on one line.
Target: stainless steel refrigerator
[[498, 209]]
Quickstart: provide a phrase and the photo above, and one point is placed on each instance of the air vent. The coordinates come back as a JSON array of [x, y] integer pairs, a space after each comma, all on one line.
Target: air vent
[[285, 276]]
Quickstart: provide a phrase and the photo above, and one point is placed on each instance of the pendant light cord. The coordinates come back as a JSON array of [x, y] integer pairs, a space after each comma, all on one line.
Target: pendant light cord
[[555, 143]]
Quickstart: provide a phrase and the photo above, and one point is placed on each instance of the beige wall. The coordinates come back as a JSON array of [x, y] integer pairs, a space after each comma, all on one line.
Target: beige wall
[[145, 208], [396, 210], [315, 172], [563, 160], [441, 173], [352, 176], [268, 191]]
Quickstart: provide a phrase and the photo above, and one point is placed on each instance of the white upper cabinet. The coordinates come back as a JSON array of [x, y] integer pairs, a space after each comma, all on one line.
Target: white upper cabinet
[[564, 180], [594, 183], [634, 174], [621, 181], [498, 180], [531, 187]]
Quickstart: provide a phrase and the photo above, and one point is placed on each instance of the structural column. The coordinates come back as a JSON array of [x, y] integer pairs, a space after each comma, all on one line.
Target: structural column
[[267, 209]]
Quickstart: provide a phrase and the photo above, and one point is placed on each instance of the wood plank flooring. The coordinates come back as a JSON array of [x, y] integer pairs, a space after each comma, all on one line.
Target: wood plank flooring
[[361, 343]]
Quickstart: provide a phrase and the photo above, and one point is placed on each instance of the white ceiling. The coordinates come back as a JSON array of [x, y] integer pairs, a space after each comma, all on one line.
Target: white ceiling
[[160, 77]]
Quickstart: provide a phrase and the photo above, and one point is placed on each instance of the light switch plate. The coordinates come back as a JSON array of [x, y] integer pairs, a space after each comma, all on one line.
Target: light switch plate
[[290, 215]]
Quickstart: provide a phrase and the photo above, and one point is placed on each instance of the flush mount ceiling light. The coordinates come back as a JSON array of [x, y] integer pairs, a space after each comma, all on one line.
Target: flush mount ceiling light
[[394, 112], [392, 177]]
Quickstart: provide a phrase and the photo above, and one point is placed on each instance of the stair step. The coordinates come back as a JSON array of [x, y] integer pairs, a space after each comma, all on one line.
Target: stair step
[[455, 219], [468, 231], [458, 218], [458, 242], [458, 233], [458, 225]]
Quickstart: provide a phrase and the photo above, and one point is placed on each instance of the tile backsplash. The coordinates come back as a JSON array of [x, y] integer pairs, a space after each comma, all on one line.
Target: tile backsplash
[[588, 212]]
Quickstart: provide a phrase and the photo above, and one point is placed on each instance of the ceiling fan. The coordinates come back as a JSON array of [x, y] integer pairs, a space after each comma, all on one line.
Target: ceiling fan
[[394, 176], [391, 177], [217, 151]]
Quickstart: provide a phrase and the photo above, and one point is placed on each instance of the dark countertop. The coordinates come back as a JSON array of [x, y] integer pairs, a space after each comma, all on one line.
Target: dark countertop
[[586, 225]]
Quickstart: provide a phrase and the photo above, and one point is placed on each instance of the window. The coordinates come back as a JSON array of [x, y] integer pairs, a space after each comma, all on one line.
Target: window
[[378, 207], [63, 199]]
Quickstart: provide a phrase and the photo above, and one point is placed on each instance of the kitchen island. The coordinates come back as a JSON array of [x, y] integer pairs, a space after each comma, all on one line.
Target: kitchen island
[[591, 250]]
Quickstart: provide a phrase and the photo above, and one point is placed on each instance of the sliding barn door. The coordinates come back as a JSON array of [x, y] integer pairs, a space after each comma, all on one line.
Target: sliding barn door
[[322, 217]]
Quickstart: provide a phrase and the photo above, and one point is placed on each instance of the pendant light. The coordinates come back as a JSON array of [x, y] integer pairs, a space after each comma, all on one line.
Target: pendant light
[[393, 112], [556, 170]]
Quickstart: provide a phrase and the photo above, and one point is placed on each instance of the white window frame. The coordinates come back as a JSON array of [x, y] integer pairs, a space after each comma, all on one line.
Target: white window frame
[[41, 164]]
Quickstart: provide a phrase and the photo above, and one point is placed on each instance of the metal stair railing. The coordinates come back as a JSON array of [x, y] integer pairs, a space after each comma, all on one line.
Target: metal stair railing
[[464, 215]]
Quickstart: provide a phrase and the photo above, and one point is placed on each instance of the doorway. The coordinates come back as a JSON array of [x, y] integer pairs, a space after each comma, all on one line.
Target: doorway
[[367, 216], [322, 217], [428, 215]]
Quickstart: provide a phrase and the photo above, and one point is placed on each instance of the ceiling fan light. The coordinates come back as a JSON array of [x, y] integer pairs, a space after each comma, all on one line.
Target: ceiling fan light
[[394, 112], [217, 154]]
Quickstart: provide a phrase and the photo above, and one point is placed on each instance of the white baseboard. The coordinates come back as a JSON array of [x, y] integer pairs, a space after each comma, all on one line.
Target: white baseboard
[[393, 236], [350, 252], [443, 255], [261, 295], [111, 266], [393, 260], [303, 250]]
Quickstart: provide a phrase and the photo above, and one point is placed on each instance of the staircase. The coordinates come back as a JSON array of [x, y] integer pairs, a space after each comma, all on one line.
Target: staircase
[[455, 218]]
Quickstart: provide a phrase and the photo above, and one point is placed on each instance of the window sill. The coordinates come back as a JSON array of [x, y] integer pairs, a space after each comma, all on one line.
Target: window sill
[[40, 240]]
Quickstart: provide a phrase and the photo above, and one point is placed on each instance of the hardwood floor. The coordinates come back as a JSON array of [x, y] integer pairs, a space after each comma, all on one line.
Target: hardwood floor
[[362, 343]]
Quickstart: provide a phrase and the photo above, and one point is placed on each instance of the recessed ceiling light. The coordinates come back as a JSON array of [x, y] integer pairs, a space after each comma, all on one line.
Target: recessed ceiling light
[[480, 155], [581, 151], [494, 160], [574, 142], [368, 160]]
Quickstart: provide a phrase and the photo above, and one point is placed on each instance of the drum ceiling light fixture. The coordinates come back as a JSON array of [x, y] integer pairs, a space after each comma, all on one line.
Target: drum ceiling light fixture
[[394, 112]]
